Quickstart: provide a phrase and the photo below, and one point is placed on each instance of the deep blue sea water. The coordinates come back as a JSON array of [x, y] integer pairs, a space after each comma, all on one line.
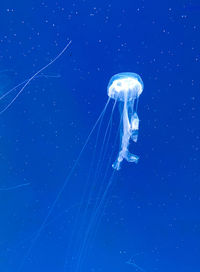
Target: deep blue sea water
[[148, 220]]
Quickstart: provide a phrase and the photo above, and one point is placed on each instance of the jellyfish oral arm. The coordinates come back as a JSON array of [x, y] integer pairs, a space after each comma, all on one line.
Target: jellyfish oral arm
[[130, 125], [134, 127]]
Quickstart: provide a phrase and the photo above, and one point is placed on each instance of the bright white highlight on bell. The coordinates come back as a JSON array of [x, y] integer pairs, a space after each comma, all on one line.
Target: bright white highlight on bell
[[126, 88]]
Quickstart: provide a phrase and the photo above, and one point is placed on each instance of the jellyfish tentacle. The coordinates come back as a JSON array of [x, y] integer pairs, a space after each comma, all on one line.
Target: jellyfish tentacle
[[34, 76], [60, 192]]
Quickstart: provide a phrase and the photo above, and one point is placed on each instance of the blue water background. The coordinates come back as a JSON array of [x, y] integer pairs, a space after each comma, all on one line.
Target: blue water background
[[152, 215]]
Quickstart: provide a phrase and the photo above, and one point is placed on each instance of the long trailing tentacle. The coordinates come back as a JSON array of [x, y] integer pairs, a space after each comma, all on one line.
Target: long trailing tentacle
[[37, 73], [58, 195], [23, 82], [77, 226], [98, 208]]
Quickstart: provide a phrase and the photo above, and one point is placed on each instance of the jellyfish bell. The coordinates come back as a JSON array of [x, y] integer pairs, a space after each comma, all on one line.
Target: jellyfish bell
[[126, 89]]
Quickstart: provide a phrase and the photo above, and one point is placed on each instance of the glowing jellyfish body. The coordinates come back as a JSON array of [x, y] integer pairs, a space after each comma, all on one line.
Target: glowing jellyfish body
[[126, 89]]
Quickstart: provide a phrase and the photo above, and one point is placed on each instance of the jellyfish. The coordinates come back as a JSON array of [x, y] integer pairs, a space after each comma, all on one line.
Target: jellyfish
[[126, 89], [95, 183]]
